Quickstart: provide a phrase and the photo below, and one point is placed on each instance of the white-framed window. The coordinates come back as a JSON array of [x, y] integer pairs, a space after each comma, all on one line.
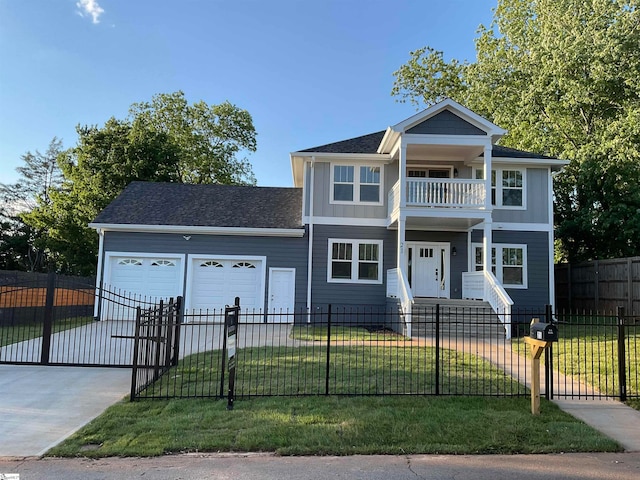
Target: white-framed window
[[354, 261], [356, 184], [508, 263], [507, 186]]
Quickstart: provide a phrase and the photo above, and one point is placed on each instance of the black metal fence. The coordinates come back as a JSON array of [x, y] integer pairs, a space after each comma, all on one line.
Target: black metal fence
[[51, 319], [156, 343]]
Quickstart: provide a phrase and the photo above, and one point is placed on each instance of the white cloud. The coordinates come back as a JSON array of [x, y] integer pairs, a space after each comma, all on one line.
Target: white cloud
[[90, 7]]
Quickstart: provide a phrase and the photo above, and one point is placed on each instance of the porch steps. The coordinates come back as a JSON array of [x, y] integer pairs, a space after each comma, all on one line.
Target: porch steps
[[458, 319]]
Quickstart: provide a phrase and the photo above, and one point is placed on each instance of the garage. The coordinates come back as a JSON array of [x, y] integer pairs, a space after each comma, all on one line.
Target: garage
[[214, 282]]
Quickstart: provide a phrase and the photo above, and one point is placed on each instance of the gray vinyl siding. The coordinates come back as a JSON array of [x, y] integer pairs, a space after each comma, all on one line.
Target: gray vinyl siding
[[280, 252], [537, 291], [537, 200], [323, 292], [459, 262], [446, 123], [322, 206]]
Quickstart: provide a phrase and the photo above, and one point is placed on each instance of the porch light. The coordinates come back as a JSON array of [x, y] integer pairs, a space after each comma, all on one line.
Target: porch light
[[454, 251], [455, 173]]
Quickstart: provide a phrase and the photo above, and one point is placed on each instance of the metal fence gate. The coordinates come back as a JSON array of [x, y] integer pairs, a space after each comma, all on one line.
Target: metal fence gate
[[50, 319]]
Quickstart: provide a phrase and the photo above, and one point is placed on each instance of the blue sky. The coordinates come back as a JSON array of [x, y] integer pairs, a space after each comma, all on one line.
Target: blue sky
[[309, 72]]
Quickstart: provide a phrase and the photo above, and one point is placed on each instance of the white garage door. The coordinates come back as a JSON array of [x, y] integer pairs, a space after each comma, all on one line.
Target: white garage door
[[146, 277], [216, 282]]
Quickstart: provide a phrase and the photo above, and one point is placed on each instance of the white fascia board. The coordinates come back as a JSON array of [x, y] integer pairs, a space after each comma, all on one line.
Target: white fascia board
[[388, 141], [197, 230], [382, 157], [513, 161], [463, 112], [463, 140], [351, 221]]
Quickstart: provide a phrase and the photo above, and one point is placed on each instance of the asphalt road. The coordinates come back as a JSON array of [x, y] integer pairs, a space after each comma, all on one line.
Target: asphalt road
[[618, 466]]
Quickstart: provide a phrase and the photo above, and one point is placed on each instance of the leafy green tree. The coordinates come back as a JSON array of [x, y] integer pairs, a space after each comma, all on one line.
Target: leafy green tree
[[95, 171], [563, 76], [39, 177], [210, 137]]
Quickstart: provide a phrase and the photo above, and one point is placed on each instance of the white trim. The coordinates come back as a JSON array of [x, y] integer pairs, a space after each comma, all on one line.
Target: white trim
[[522, 227], [310, 221], [178, 256], [454, 107], [428, 168], [355, 221], [293, 307], [354, 260], [356, 184], [552, 270], [346, 156], [525, 162], [196, 257], [499, 186], [446, 246], [499, 266], [240, 231], [99, 276]]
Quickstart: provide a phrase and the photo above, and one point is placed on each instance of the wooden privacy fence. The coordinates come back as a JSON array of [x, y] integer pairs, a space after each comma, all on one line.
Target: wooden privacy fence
[[599, 285]]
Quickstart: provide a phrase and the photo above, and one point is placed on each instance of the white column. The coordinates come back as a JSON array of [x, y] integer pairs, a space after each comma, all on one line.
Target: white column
[[310, 230], [402, 250], [486, 245], [487, 178], [403, 175]]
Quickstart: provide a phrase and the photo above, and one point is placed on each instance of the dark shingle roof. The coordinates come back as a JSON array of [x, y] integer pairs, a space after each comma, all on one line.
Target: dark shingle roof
[[178, 204], [370, 143], [364, 144], [500, 151]]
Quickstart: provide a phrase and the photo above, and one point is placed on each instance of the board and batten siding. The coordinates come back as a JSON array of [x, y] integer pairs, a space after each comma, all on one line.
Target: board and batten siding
[[284, 252], [322, 206], [537, 210], [446, 123], [537, 291], [324, 293]]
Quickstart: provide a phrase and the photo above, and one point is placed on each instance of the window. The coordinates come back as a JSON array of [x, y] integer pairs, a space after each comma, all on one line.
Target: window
[[356, 184], [355, 261], [130, 261], [508, 264], [163, 263], [509, 191]]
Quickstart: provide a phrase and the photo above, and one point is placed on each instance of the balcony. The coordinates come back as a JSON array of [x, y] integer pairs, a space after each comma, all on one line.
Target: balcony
[[440, 198]]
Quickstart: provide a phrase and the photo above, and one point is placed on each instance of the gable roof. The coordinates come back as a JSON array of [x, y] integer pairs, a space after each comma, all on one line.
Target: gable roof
[[369, 144], [179, 204]]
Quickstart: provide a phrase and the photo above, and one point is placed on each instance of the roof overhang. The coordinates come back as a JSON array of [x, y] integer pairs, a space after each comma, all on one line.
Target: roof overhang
[[298, 160], [199, 230], [553, 163]]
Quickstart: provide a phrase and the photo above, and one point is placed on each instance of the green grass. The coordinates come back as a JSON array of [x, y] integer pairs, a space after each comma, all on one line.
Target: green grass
[[333, 426], [589, 353], [20, 333], [353, 370], [319, 334]]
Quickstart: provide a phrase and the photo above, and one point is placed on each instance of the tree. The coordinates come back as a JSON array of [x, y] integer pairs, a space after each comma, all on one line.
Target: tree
[[39, 177], [210, 136], [563, 76], [95, 171]]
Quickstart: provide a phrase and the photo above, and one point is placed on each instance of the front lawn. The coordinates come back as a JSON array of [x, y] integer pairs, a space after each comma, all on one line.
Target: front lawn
[[334, 425]]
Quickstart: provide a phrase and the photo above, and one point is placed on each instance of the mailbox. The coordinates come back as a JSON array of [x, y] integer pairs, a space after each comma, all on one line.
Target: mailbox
[[544, 331]]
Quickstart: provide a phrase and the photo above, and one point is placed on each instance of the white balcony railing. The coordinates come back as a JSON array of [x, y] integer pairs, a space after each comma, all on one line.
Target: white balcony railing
[[440, 193]]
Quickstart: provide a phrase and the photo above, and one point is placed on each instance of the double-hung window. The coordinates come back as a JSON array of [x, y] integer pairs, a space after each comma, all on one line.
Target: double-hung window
[[508, 263], [356, 184], [507, 187], [354, 261]]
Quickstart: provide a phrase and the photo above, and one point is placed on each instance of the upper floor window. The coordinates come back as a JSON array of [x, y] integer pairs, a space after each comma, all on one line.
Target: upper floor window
[[507, 187], [356, 184]]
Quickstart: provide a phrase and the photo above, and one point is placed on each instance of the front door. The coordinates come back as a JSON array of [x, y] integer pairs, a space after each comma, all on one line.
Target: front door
[[429, 269], [282, 294]]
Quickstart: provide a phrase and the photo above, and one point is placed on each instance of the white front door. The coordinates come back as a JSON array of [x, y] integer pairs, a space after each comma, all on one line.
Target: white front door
[[282, 294], [429, 269]]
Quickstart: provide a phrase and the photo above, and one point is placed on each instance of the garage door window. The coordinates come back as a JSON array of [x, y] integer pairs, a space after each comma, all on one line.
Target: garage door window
[[211, 264], [244, 265], [163, 263], [130, 261]]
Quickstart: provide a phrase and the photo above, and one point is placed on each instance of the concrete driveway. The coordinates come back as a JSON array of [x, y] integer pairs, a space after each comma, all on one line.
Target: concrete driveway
[[40, 406]]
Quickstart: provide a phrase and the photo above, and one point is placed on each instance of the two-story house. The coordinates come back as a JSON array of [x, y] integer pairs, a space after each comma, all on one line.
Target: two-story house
[[430, 207]]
